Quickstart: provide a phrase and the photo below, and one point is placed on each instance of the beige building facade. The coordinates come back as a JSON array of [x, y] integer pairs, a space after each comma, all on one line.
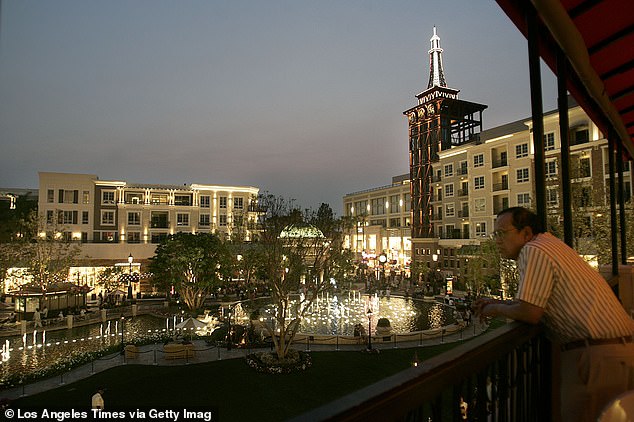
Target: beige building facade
[[113, 219]]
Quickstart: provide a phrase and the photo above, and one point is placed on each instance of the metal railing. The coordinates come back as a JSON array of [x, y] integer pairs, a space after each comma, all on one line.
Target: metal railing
[[503, 375]]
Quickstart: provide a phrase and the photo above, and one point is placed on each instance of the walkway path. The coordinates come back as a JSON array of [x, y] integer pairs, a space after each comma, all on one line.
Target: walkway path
[[153, 355]]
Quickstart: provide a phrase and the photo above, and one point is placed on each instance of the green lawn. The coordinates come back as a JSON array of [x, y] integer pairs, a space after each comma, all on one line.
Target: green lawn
[[230, 387]]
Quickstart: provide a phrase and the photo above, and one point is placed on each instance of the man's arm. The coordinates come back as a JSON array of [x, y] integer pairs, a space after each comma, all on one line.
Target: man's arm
[[517, 310]]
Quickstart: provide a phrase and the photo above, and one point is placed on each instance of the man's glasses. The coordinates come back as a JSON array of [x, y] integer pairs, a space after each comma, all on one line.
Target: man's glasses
[[499, 234]]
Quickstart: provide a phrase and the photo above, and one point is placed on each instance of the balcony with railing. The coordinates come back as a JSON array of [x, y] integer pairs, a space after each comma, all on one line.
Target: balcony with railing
[[500, 162], [501, 186], [504, 375]]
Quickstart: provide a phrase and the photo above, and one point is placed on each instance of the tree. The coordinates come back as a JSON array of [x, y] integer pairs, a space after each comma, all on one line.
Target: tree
[[48, 254], [193, 263], [486, 270], [298, 257], [108, 279]]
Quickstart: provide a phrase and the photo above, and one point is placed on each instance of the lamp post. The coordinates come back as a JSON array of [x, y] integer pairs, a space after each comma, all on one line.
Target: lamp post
[[382, 261], [130, 259], [369, 328], [433, 273]]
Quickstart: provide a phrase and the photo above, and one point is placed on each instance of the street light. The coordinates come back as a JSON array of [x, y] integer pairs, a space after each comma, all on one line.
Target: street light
[[382, 261], [130, 259], [369, 328]]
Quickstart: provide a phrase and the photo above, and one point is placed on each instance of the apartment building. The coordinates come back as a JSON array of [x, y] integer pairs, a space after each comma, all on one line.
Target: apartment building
[[472, 182], [383, 223], [114, 219]]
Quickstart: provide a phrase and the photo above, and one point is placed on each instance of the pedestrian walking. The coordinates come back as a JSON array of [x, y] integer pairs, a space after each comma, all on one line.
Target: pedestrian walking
[[37, 320]]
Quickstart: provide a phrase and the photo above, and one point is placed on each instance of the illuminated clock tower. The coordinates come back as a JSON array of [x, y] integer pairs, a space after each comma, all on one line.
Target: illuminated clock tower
[[438, 122]]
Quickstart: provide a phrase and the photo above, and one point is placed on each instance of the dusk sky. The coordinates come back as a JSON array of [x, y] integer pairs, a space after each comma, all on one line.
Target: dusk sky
[[303, 99]]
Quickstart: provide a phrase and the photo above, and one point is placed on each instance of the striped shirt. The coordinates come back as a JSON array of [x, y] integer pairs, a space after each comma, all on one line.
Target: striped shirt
[[578, 303]]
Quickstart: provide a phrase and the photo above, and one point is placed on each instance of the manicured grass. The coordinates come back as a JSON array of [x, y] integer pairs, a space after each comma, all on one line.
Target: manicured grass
[[234, 390]]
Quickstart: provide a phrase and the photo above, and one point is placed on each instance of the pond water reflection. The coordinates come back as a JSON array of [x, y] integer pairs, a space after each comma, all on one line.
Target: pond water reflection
[[40, 349], [338, 314], [330, 315]]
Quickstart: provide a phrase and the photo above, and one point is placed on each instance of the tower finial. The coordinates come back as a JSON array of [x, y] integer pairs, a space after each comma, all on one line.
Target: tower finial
[[436, 73]]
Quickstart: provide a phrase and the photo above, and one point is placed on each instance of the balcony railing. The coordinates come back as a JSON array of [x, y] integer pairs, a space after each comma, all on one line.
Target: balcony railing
[[504, 375], [500, 162], [500, 186]]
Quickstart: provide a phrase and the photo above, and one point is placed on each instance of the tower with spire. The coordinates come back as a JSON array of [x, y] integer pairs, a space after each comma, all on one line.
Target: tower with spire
[[436, 74], [438, 122]]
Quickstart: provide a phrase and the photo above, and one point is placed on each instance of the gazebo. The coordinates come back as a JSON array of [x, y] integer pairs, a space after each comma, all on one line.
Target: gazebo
[[55, 296]]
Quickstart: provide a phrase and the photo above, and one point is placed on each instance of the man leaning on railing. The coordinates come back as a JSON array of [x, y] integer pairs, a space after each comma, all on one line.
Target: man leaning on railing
[[577, 307]]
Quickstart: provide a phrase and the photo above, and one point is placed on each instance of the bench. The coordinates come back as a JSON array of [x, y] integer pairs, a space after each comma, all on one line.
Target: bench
[[178, 351]]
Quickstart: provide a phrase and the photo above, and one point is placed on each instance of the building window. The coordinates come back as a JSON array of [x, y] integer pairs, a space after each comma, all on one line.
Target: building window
[[585, 197], [549, 141], [70, 196], [183, 200], [522, 175], [205, 200], [134, 237], [223, 202], [50, 217], [395, 222], [238, 203], [450, 210], [408, 201], [85, 197], [70, 217], [84, 217], [480, 204], [551, 168], [222, 220], [552, 197], [394, 202], [448, 190], [463, 168], [107, 218], [158, 237], [523, 200], [481, 229], [204, 220], [182, 219], [107, 197], [134, 218], [50, 196], [585, 170], [134, 198], [521, 150], [478, 183], [159, 220], [159, 199], [378, 206], [448, 170], [580, 135], [478, 160]]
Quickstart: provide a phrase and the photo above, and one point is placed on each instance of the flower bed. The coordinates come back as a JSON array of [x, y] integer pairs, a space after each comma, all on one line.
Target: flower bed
[[268, 363]]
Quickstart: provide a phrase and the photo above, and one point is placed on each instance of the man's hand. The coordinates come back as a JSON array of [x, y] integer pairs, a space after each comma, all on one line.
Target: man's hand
[[517, 310], [481, 308]]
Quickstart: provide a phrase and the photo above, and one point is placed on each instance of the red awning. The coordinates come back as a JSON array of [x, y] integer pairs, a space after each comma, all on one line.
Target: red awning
[[597, 37]]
